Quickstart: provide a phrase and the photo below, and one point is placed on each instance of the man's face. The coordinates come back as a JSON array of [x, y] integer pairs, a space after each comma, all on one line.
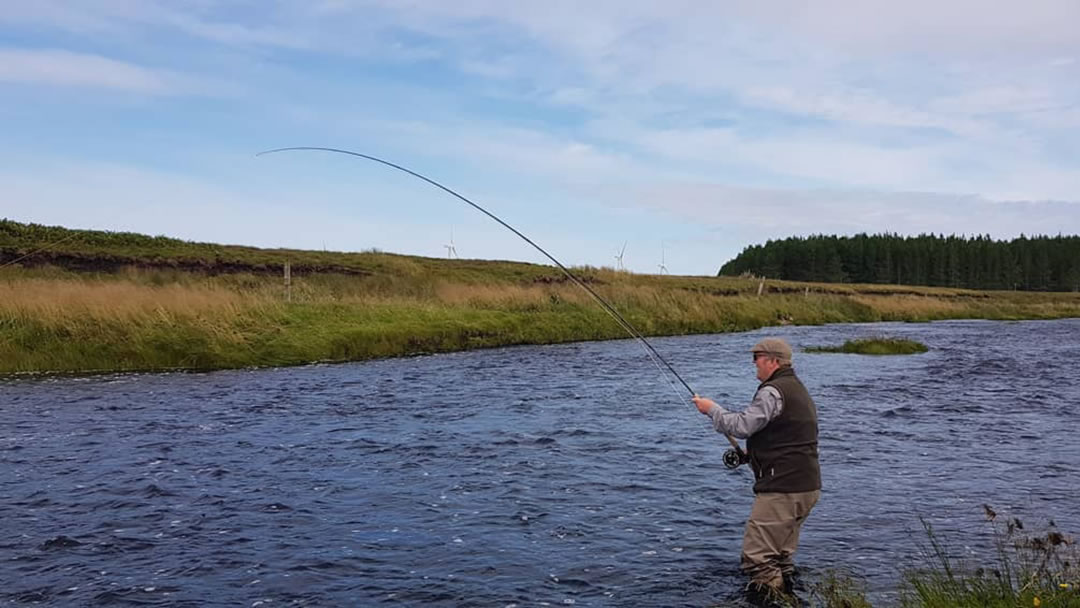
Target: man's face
[[765, 365]]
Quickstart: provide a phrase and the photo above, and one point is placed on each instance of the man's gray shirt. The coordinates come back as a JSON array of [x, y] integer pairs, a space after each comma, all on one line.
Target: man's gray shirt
[[766, 405]]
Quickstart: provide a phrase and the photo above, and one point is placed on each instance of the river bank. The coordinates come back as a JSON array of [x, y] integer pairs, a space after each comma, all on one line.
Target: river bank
[[130, 318]]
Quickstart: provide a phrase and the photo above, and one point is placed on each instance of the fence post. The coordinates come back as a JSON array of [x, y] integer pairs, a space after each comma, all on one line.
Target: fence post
[[288, 281]]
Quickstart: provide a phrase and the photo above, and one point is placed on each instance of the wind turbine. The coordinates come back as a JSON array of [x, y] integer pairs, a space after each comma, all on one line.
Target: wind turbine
[[618, 258], [663, 268], [451, 252]]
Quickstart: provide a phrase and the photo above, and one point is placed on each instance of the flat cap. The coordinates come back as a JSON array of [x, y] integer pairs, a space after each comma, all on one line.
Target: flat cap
[[774, 347]]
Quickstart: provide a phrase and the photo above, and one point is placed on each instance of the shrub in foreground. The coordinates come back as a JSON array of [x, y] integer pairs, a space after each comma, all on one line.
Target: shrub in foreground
[[1037, 570]]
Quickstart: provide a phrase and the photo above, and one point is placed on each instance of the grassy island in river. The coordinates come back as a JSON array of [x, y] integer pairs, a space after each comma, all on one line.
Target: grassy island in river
[[873, 346], [102, 301]]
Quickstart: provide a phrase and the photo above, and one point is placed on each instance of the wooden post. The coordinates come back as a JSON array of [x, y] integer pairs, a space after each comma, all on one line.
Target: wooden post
[[761, 287], [288, 281]]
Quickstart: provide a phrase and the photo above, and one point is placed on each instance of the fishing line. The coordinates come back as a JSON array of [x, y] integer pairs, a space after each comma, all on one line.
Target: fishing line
[[655, 356], [52, 244]]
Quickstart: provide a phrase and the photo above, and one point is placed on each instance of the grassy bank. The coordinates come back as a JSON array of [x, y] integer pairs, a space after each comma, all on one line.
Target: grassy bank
[[103, 305]]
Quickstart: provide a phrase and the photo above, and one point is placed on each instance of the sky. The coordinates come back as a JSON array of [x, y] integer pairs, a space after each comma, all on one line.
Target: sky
[[683, 131]]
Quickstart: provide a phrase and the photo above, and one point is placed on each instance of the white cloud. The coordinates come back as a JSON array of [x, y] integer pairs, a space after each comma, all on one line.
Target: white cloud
[[509, 150], [958, 27], [64, 68], [58, 14], [778, 213], [864, 186], [995, 100], [866, 108], [614, 29], [918, 95]]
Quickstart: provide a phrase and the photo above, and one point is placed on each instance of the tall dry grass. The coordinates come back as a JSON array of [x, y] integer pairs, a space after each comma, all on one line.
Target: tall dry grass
[[907, 307], [509, 297], [50, 301]]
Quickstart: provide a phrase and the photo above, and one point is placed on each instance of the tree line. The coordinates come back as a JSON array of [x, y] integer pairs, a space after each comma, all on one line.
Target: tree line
[[1038, 263]]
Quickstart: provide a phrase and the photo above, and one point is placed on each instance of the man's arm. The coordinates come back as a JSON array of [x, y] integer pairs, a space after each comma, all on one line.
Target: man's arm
[[765, 406]]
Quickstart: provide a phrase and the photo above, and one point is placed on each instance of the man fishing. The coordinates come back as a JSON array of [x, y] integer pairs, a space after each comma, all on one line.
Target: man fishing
[[780, 426]]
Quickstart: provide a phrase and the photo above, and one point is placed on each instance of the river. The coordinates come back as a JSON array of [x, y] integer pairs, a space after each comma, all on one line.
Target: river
[[550, 475]]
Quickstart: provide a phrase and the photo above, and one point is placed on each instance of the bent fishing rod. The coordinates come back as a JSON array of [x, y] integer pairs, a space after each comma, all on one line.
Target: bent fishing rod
[[732, 458]]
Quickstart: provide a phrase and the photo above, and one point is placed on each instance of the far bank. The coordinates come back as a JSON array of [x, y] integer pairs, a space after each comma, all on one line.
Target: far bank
[[57, 320]]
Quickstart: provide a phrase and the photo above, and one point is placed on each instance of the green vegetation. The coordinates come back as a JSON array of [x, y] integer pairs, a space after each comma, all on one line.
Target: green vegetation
[[99, 301], [1028, 570], [873, 346], [839, 590], [1030, 264]]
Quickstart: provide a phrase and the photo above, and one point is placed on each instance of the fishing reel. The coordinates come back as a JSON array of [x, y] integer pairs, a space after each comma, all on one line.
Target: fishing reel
[[733, 458]]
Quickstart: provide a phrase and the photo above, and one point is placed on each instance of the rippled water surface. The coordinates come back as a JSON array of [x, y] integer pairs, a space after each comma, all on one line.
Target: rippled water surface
[[561, 475]]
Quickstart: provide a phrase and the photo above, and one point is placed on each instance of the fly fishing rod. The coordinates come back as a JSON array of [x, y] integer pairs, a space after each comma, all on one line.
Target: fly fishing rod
[[732, 458]]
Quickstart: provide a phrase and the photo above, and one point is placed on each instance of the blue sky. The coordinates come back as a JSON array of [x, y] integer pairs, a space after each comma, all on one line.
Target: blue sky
[[687, 130]]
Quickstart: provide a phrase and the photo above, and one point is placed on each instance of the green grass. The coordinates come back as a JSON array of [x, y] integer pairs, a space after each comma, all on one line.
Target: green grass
[[873, 346]]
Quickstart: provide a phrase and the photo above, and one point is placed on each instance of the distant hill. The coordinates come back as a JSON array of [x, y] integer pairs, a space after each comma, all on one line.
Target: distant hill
[[1027, 263], [107, 251]]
